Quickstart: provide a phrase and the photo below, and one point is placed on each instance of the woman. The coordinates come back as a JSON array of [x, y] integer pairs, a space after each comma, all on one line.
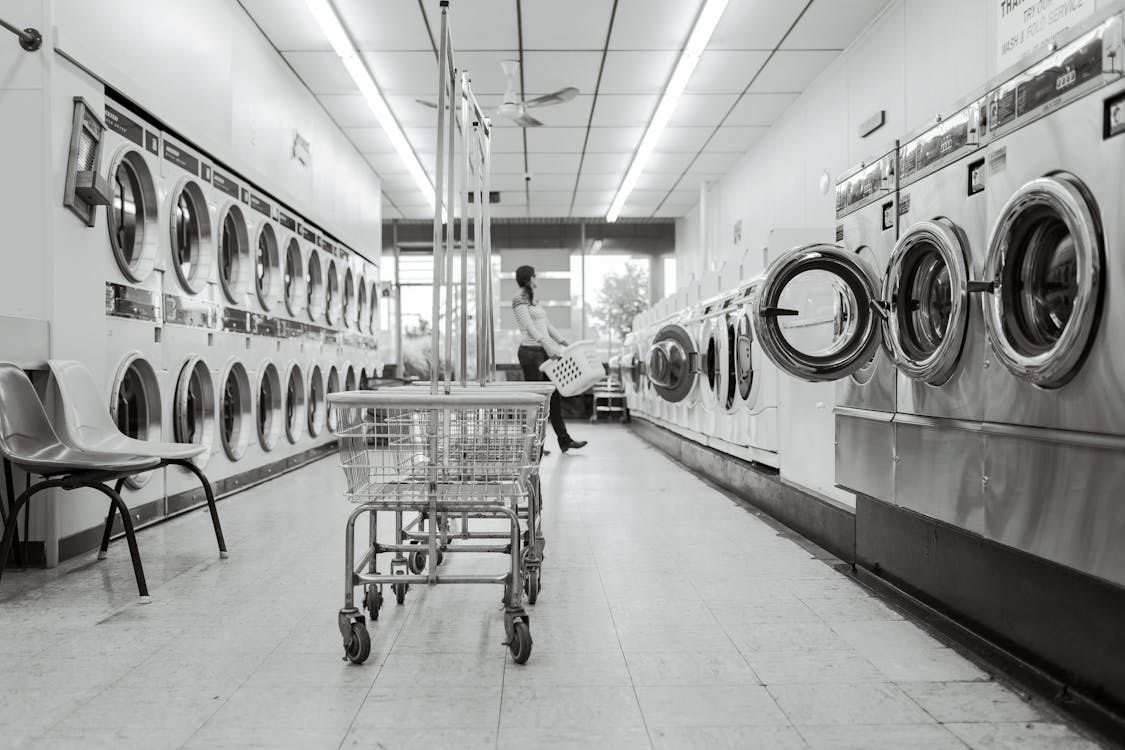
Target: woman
[[538, 341]]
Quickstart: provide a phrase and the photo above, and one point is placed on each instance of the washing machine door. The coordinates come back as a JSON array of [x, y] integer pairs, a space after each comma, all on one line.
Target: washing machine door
[[673, 363], [729, 400], [711, 355], [1046, 263], [743, 358], [926, 291], [818, 314]]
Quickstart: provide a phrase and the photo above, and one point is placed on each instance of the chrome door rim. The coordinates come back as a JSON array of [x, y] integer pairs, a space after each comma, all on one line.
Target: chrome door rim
[[711, 382], [938, 366], [1056, 365], [856, 275], [730, 399], [669, 337], [746, 380]]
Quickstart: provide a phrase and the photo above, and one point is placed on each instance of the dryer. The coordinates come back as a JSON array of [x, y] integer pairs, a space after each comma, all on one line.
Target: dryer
[[1055, 321], [934, 329]]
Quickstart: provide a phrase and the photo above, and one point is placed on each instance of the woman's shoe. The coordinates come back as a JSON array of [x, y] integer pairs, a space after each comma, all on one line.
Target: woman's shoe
[[572, 444]]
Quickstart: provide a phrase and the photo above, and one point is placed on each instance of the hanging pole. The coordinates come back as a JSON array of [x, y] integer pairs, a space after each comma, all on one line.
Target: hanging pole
[[451, 223], [469, 182], [30, 39], [439, 227]]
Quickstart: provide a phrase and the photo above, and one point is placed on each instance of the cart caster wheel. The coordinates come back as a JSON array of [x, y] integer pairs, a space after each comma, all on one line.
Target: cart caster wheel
[[360, 647], [440, 557], [373, 601], [520, 642], [400, 590], [531, 585], [416, 562]]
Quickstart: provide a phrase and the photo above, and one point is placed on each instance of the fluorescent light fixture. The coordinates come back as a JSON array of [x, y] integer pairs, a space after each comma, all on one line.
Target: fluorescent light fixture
[[337, 36], [697, 42], [596, 247]]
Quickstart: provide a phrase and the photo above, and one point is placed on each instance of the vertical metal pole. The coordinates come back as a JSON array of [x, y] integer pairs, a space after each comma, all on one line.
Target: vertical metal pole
[[486, 242], [398, 305], [582, 240], [451, 225], [469, 182], [439, 228]]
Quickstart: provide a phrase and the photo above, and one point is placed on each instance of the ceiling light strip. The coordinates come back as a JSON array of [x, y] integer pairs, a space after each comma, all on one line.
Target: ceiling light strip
[[700, 35], [337, 36]]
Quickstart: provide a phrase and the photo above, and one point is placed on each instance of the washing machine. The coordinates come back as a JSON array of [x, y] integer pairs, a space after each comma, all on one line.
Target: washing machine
[[934, 328], [673, 368], [754, 378], [133, 373], [191, 310], [717, 391], [316, 412], [1055, 320]]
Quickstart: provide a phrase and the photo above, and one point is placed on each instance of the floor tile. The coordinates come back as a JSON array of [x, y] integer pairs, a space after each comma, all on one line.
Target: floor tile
[[269, 738], [572, 738], [709, 706], [429, 704], [924, 665], [792, 636], [954, 702], [303, 707], [854, 703], [881, 737], [727, 667], [553, 707], [569, 668], [727, 738], [810, 667], [1021, 736]]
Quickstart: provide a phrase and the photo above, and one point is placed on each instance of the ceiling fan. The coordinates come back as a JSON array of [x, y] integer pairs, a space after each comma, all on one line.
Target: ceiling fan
[[512, 107]]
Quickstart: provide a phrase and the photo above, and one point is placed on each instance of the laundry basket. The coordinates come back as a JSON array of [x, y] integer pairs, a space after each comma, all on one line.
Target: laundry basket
[[576, 370]]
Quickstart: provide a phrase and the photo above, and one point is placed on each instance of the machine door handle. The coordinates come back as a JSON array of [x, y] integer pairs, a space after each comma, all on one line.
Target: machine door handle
[[879, 307], [976, 287], [777, 312]]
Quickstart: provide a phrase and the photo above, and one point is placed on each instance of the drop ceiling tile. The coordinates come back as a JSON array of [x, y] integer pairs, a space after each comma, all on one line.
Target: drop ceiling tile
[[390, 213], [669, 162], [544, 72], [657, 180], [684, 139], [652, 24], [650, 198], [413, 73], [636, 211], [692, 180], [322, 72], [506, 181], [549, 181], [755, 24], [588, 181], [398, 183], [411, 114], [480, 24], [485, 72], [673, 210], [510, 163], [760, 109], [405, 198], [725, 71], [792, 70], [718, 163], [606, 163], [572, 114], [595, 197], [383, 24], [637, 72], [385, 164], [349, 110], [590, 210], [689, 197], [287, 24], [702, 109], [370, 140], [423, 140], [506, 141], [623, 110], [571, 25], [830, 24], [550, 197], [554, 163], [613, 140], [736, 138], [555, 140]]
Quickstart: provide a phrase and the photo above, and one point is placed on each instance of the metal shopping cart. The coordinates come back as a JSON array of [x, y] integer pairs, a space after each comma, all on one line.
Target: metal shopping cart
[[534, 542], [403, 451]]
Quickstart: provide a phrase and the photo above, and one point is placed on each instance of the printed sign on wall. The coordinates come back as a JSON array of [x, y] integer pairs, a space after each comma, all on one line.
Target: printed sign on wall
[[1026, 26]]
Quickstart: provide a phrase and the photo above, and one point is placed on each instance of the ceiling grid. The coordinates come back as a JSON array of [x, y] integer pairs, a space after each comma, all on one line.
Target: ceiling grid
[[578, 159]]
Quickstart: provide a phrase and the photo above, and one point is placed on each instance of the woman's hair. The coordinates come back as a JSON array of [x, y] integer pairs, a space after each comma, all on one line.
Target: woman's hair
[[523, 278]]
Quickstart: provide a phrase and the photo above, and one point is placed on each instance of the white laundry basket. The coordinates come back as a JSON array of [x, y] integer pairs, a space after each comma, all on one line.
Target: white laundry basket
[[576, 370]]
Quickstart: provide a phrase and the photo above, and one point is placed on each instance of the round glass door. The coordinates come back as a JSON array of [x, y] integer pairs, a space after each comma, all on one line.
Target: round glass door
[[673, 363], [267, 268], [135, 406], [744, 358], [713, 352], [728, 373], [132, 215], [815, 314], [294, 278], [316, 401], [193, 409], [314, 286], [361, 307], [190, 228], [294, 404], [926, 291], [333, 387], [269, 406], [234, 254], [350, 304], [234, 411], [1045, 259], [332, 296]]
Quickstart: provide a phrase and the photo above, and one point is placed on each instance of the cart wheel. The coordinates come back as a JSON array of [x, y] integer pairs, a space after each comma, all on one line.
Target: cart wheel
[[520, 642], [440, 557], [416, 562], [531, 585], [400, 589], [360, 647], [373, 601]]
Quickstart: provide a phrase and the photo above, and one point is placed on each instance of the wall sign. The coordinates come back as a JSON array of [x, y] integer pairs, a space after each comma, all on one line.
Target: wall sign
[[1026, 26]]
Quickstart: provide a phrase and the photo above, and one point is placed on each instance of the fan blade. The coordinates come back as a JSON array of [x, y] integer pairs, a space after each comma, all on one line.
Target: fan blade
[[425, 103], [526, 121], [558, 97]]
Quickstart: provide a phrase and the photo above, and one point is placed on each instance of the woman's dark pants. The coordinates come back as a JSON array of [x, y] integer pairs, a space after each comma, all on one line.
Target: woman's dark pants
[[530, 358]]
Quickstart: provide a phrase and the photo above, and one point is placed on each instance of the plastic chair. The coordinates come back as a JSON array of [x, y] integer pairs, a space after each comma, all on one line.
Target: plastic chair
[[87, 425], [28, 441]]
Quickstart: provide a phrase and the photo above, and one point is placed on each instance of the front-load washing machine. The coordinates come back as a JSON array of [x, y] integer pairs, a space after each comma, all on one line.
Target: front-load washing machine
[[934, 328], [673, 369], [755, 382], [1055, 321], [716, 391]]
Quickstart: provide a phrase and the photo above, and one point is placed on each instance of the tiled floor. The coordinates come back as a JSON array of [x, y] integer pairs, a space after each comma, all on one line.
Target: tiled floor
[[670, 618]]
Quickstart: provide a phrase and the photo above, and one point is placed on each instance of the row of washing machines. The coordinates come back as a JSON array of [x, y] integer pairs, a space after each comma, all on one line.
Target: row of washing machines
[[228, 318], [971, 313]]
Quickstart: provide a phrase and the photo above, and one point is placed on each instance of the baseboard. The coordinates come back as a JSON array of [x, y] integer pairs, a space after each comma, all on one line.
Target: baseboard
[[158, 511], [821, 520]]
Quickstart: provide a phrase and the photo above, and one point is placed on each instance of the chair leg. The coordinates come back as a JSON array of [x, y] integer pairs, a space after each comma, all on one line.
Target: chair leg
[[104, 551], [210, 503], [130, 536], [11, 499], [10, 528]]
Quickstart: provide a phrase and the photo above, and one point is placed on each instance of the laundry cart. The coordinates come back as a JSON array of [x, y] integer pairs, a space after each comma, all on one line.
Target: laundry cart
[[445, 454], [458, 528]]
